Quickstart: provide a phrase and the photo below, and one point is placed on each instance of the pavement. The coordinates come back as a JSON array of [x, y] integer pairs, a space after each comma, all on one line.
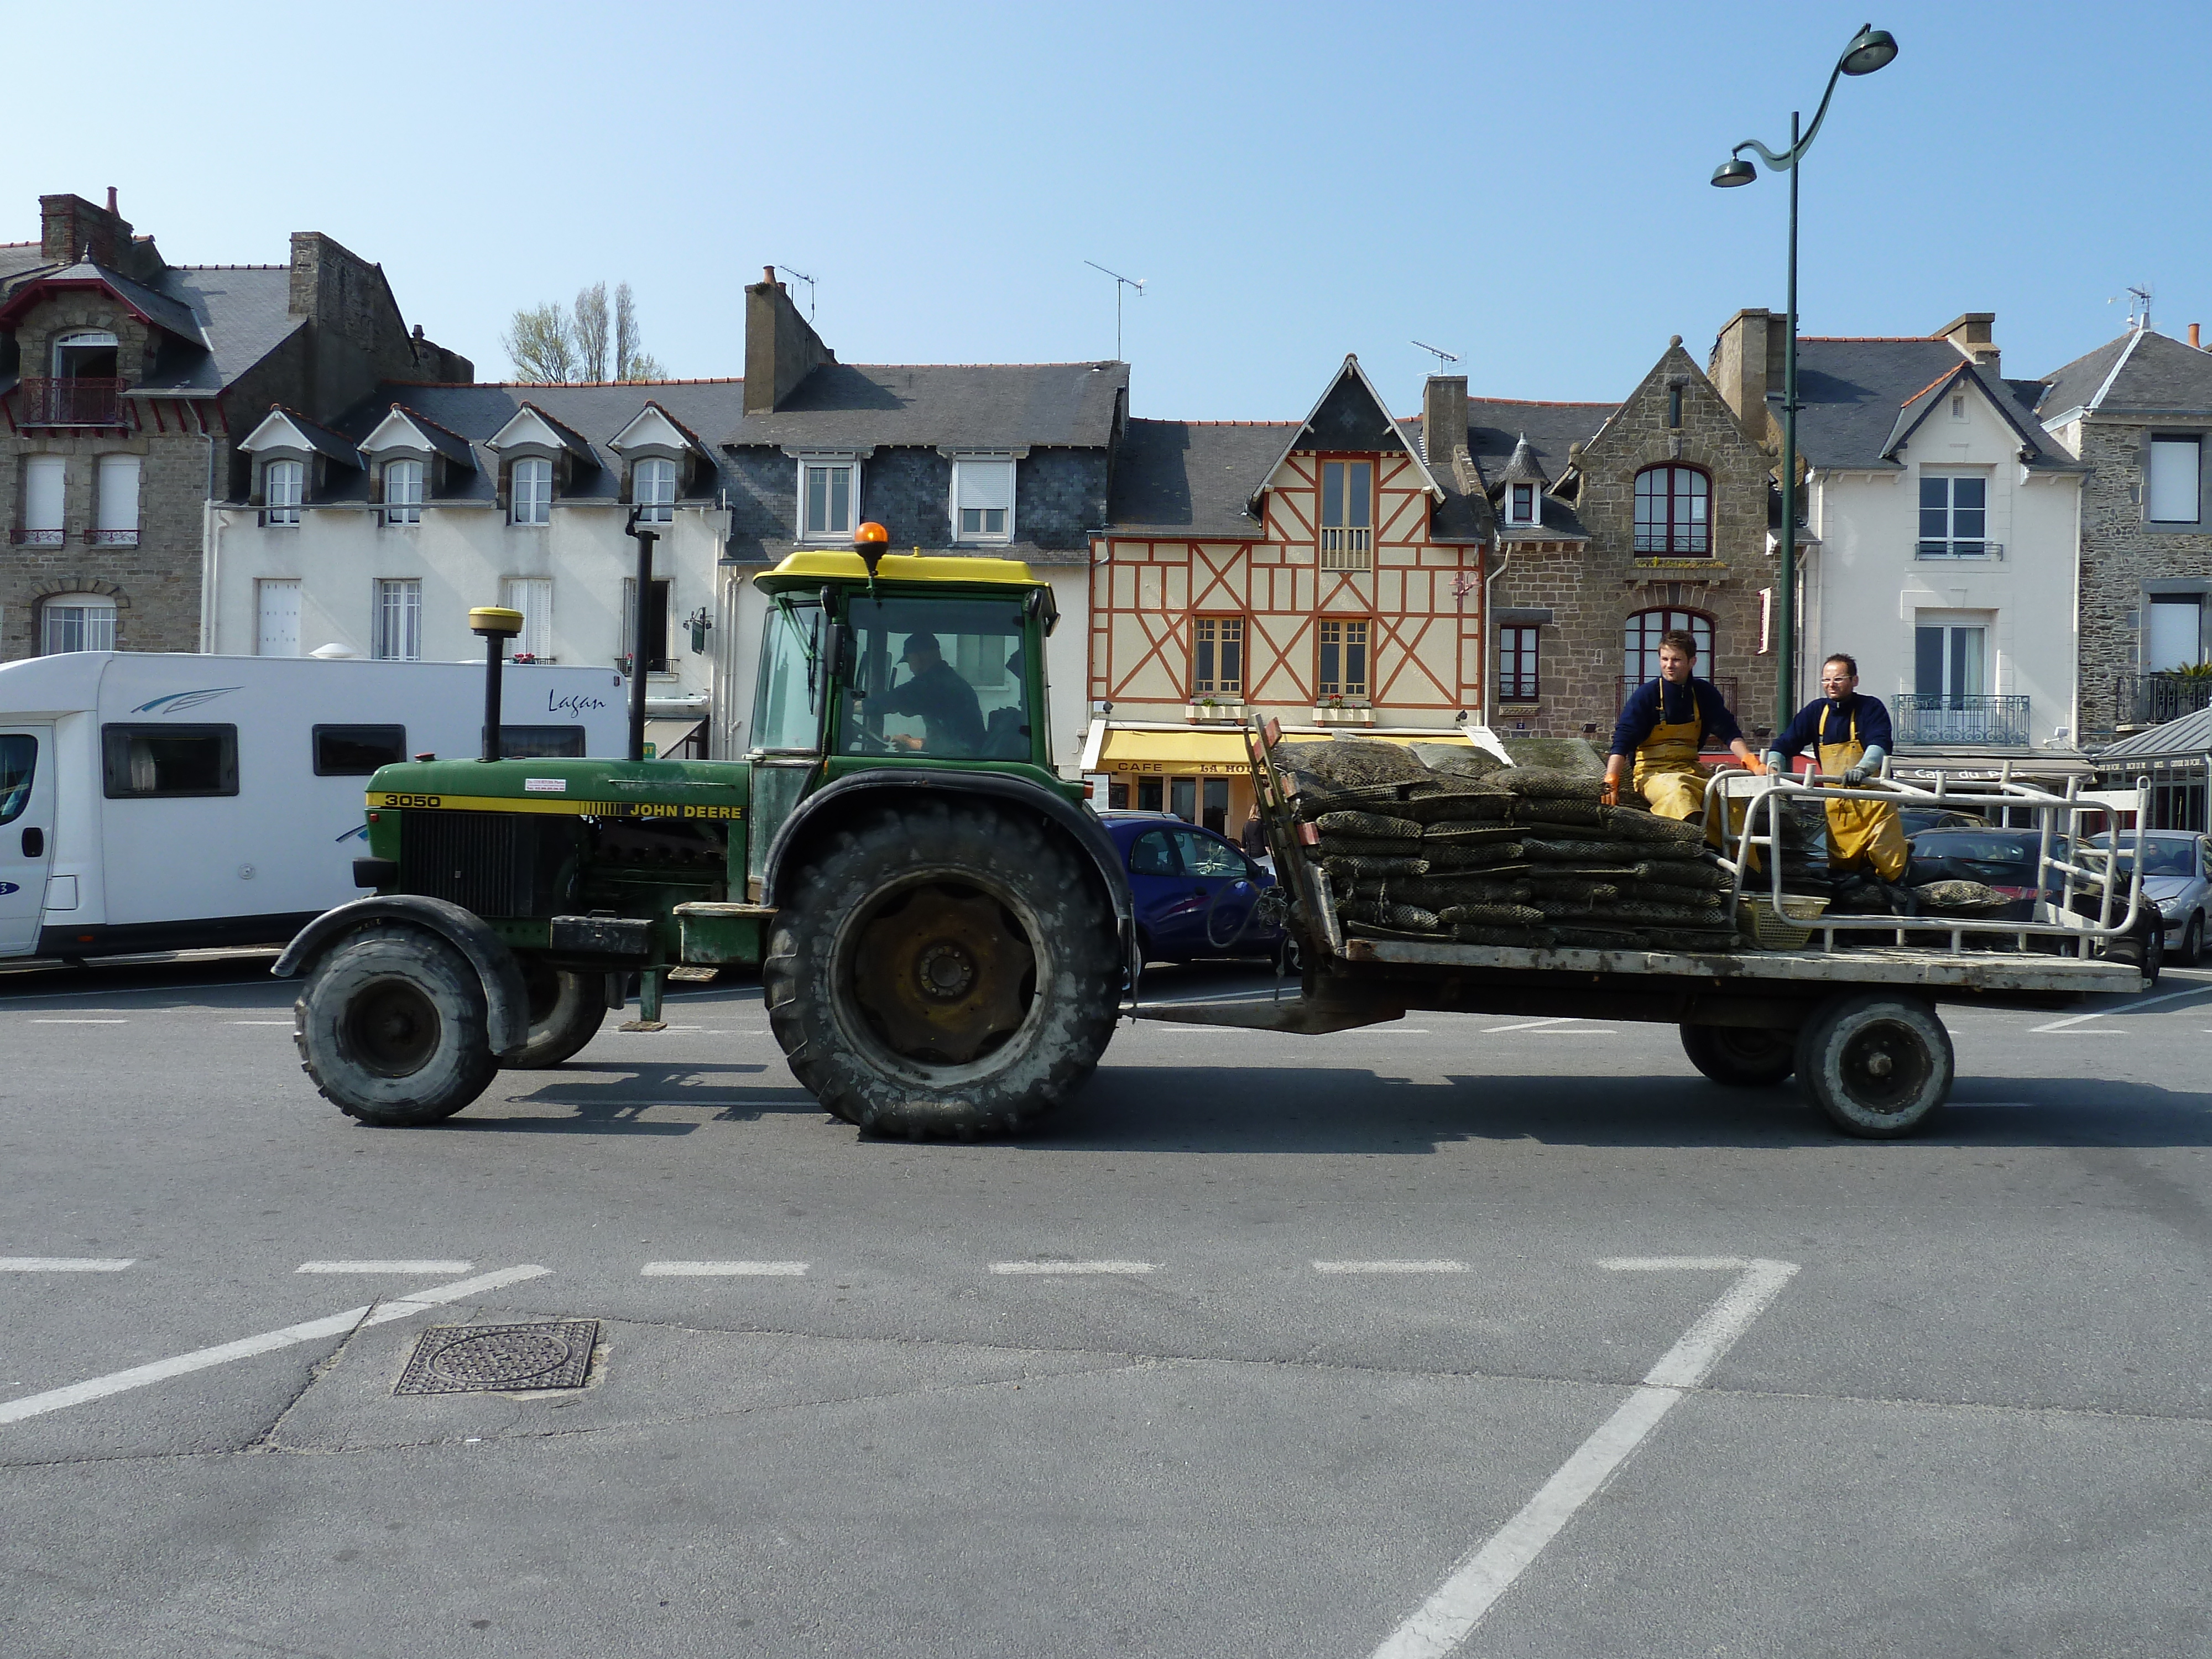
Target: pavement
[[1465, 1333]]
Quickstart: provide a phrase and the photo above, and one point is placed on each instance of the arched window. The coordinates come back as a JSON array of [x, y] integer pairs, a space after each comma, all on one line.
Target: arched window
[[1640, 659], [1672, 511], [76, 622]]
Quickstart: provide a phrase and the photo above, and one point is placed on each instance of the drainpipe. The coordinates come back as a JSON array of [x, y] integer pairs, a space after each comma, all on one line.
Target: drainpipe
[[210, 558], [1505, 558]]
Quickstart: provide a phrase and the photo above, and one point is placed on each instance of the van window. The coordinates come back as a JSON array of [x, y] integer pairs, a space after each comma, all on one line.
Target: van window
[[530, 742], [354, 751], [145, 763], [18, 760]]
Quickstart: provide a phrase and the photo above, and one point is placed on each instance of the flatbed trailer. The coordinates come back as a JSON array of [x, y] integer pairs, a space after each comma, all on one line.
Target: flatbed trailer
[[1851, 1010]]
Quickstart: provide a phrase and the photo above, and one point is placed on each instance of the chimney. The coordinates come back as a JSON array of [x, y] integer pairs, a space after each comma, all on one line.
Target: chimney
[[69, 226], [2193, 339], [782, 348], [1747, 364], [1970, 331], [1444, 417], [111, 200]]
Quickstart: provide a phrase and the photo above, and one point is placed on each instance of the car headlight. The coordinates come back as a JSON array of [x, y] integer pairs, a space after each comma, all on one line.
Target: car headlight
[[2168, 904]]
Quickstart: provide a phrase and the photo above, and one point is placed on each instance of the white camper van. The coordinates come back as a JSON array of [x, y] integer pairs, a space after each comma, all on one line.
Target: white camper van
[[152, 802]]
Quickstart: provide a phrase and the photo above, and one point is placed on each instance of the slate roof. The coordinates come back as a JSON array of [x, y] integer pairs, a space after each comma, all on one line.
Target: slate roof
[[1192, 478], [1862, 398], [2189, 735], [216, 321], [1496, 427], [320, 437], [16, 257], [2156, 373], [932, 405]]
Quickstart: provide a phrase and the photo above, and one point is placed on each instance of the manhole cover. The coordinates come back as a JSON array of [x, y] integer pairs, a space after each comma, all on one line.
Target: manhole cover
[[471, 1358]]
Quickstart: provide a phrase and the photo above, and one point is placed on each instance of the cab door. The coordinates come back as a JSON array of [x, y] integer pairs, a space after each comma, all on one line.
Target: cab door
[[27, 833]]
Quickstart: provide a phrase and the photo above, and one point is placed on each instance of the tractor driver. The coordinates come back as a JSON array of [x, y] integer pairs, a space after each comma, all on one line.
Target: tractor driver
[[951, 719], [1664, 726]]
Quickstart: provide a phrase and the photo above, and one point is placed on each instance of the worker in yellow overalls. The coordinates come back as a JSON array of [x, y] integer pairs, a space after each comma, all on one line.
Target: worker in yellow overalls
[[1852, 735], [1663, 726]]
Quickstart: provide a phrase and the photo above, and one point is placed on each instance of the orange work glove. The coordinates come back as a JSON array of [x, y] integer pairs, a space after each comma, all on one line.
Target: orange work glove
[[1611, 793], [1757, 765]]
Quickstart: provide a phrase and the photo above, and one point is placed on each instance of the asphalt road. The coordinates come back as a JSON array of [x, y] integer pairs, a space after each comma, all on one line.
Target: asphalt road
[[1514, 1335]]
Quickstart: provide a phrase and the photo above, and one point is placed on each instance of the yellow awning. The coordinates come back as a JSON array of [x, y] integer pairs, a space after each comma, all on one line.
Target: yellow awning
[[1215, 752]]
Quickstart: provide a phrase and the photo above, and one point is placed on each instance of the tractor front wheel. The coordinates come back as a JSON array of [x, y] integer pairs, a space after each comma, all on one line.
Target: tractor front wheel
[[392, 1028], [948, 973], [566, 1012]]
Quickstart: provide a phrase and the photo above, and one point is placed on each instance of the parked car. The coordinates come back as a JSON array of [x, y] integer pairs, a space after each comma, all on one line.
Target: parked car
[[2002, 859], [1197, 896], [2177, 878], [1916, 820]]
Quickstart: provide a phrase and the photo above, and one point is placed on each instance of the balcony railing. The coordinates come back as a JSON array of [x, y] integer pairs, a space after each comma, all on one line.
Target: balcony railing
[[1959, 551], [2154, 699], [83, 400], [1940, 717], [1345, 547]]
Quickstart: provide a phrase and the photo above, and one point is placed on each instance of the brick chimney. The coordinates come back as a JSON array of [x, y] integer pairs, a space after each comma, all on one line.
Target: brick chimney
[[68, 225], [1444, 417], [782, 348], [1747, 363], [1970, 331]]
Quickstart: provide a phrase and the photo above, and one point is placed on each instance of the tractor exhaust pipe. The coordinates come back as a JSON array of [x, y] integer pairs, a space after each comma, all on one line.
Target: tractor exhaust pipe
[[495, 625], [639, 633]]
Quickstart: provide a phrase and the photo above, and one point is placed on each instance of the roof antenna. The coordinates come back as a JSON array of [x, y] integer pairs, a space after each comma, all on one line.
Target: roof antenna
[[1120, 282], [2138, 306], [801, 277], [1443, 357]]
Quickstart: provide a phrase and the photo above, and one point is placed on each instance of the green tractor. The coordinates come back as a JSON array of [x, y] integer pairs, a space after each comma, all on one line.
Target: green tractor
[[944, 931]]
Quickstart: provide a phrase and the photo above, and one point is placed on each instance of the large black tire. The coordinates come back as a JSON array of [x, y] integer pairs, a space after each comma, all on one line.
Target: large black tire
[[1876, 1063], [949, 972], [1741, 1056], [566, 1012], [392, 1027]]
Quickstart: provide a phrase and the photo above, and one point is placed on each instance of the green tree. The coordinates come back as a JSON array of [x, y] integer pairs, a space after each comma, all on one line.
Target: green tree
[[550, 344]]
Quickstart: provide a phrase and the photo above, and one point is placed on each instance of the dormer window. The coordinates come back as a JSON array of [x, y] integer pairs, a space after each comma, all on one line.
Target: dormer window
[[982, 498], [652, 488], [403, 492], [532, 491], [85, 354], [829, 499], [1522, 509], [283, 484]]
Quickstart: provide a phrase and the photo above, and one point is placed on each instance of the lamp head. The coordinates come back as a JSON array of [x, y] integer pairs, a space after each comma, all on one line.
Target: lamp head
[[492, 622], [871, 541], [1733, 172], [1870, 49]]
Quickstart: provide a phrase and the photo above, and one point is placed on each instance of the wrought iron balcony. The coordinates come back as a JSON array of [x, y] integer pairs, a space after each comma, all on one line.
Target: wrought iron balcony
[[80, 400], [2154, 699], [1942, 717]]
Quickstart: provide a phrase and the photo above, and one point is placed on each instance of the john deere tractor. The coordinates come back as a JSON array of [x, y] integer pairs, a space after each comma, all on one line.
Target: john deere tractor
[[942, 930]]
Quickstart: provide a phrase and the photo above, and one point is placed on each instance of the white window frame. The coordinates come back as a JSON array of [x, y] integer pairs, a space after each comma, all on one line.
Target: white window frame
[[1950, 544], [2182, 451], [39, 534], [1514, 515], [654, 500], [262, 590], [533, 597], [967, 475], [92, 616], [395, 619], [830, 532], [532, 509], [283, 488], [404, 508]]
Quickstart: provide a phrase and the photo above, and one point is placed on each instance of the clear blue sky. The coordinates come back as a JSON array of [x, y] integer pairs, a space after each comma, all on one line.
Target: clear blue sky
[[1521, 184]]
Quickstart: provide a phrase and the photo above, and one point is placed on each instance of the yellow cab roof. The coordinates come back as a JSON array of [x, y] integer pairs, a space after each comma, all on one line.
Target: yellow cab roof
[[838, 565]]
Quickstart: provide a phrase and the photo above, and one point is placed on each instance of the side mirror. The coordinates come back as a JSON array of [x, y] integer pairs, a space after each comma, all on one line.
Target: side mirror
[[833, 653]]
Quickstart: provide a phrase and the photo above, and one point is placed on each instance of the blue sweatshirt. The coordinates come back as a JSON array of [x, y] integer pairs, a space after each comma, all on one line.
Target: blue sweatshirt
[[1823, 721], [1696, 701]]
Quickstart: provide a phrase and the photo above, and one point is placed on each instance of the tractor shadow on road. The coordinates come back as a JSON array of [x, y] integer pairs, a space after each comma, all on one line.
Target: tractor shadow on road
[[605, 1098], [1250, 1109]]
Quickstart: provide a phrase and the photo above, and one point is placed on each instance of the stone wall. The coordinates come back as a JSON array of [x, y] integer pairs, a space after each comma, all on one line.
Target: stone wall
[[2121, 554]]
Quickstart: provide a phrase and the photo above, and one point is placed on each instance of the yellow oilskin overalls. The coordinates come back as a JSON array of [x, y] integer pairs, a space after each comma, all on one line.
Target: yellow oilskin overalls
[[1666, 772], [1860, 829]]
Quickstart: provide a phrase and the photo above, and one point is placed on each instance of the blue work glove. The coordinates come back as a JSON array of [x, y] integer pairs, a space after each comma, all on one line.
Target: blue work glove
[[1775, 765], [1869, 766]]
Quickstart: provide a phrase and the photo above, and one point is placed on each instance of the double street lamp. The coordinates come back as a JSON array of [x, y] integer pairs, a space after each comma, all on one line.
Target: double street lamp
[[1870, 49]]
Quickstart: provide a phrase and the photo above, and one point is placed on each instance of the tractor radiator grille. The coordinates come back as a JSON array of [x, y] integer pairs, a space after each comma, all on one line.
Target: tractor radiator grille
[[487, 862]]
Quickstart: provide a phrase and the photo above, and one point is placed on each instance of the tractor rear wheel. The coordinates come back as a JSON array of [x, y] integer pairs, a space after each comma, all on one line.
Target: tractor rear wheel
[[949, 972], [392, 1028], [566, 1012], [1741, 1056]]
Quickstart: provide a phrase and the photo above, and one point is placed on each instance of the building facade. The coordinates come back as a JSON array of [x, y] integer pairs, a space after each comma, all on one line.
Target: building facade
[[126, 382]]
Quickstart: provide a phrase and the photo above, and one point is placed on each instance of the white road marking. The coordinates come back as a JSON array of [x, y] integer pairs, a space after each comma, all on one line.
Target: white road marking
[[1448, 1617], [1389, 1267], [64, 1264], [2124, 1008], [79, 1022], [257, 1021], [1527, 1025], [410, 1269], [1059, 1267], [722, 1269], [160, 1370]]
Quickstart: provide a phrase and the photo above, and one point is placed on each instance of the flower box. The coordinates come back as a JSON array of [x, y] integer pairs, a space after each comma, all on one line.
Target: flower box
[[1215, 710], [1346, 715]]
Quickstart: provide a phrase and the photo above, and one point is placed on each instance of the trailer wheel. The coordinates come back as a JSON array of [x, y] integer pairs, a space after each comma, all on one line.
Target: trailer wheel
[[566, 1012], [1740, 1055], [945, 972], [1877, 1065], [391, 1026]]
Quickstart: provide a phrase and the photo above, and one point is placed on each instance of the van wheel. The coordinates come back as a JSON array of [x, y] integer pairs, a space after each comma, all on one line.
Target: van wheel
[[1740, 1055], [566, 1012], [948, 971], [1876, 1065], [392, 1028]]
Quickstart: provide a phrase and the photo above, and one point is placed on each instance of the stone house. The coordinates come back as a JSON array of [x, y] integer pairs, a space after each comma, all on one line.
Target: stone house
[[2137, 413], [126, 382]]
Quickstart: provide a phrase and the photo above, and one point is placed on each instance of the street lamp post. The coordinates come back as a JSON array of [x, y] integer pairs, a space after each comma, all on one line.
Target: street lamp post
[[1870, 49]]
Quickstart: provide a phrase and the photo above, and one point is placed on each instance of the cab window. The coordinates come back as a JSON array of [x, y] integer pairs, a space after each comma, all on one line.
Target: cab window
[[1153, 855], [787, 707], [940, 677], [19, 759], [1202, 855]]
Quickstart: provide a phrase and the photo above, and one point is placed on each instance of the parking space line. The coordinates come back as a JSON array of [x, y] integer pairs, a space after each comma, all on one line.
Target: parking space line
[[257, 1021], [1389, 1267], [411, 1268], [64, 1264], [724, 1269], [160, 1370], [1448, 1617], [79, 1022], [1527, 1025], [2123, 1009], [1055, 1268]]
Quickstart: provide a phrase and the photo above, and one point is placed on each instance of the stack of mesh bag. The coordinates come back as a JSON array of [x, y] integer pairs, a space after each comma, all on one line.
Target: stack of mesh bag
[[1443, 841]]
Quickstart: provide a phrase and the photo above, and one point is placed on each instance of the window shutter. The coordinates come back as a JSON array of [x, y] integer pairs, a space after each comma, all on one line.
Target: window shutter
[[119, 492], [987, 483], [2173, 480], [43, 478]]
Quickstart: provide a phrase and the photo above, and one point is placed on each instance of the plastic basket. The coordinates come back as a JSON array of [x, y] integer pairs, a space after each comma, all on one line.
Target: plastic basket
[[1771, 930]]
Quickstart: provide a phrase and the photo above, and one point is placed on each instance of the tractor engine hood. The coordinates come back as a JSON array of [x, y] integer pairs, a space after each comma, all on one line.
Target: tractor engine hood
[[585, 788]]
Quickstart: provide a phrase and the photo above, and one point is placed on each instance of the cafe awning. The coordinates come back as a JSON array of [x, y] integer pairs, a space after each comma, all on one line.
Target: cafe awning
[[1187, 753]]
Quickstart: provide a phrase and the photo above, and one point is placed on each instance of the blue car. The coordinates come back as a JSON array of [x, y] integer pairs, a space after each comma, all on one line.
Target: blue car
[[1195, 892]]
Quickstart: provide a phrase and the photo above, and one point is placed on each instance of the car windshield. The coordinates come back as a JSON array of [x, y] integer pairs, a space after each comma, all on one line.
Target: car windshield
[[1984, 846], [2163, 855]]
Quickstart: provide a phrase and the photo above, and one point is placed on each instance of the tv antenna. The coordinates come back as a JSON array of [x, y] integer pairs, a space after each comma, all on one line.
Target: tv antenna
[[1443, 356], [1120, 282], [2139, 306], [801, 277]]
